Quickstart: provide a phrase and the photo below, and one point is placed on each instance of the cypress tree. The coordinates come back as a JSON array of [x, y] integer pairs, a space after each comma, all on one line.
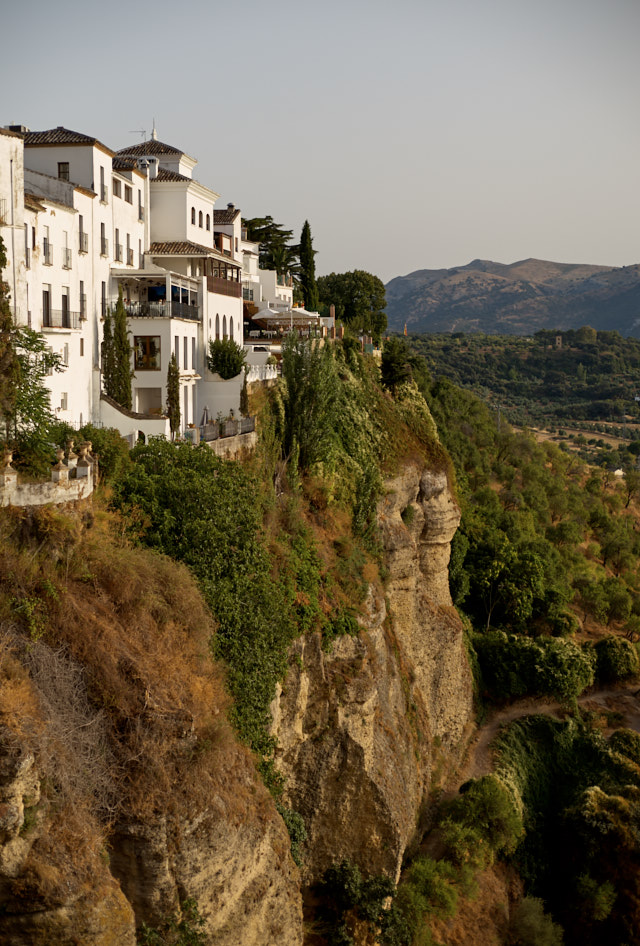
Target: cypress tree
[[122, 355], [173, 396], [108, 356], [308, 270], [9, 362]]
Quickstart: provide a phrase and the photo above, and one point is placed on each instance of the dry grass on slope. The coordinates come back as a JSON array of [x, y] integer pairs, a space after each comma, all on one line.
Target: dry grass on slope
[[106, 679]]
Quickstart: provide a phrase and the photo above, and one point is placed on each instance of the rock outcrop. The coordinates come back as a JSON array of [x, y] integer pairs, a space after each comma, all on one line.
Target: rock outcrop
[[356, 726]]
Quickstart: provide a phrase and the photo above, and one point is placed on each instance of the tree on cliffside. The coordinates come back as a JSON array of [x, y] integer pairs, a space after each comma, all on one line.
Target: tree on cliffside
[[173, 396], [9, 362], [116, 355], [359, 298], [308, 270]]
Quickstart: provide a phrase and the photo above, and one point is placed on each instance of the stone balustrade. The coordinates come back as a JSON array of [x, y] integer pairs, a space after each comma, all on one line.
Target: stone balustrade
[[72, 478]]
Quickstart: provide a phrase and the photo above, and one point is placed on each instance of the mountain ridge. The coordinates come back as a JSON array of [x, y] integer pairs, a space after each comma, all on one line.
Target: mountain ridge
[[516, 298]]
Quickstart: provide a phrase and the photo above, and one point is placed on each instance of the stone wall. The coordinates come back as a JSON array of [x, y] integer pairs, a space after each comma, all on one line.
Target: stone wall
[[72, 478]]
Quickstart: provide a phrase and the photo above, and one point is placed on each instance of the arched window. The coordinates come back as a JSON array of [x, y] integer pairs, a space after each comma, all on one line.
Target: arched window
[[193, 215], [224, 327], [217, 326], [200, 220], [231, 329], [208, 222]]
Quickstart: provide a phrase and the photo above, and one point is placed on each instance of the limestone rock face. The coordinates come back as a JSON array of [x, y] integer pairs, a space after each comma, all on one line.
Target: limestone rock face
[[232, 856], [355, 726], [37, 906]]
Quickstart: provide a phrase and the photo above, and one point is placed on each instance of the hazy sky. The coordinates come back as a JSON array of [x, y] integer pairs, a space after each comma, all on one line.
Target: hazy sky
[[411, 133]]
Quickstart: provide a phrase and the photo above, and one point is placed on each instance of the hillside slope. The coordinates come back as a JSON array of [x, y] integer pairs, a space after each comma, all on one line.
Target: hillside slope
[[515, 299]]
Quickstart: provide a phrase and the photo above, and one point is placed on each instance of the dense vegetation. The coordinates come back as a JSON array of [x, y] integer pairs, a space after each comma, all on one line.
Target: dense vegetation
[[578, 378], [255, 536]]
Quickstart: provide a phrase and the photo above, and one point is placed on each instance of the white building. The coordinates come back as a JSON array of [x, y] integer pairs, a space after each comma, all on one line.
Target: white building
[[80, 222]]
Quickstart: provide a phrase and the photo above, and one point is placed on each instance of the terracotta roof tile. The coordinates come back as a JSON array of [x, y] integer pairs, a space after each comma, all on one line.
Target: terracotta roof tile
[[152, 146], [61, 136], [228, 215], [165, 175], [187, 248]]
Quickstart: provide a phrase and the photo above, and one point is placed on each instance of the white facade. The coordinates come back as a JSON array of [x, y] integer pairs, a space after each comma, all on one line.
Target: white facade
[[79, 222]]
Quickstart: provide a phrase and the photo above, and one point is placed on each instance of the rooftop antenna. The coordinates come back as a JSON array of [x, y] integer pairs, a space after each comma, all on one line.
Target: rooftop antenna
[[139, 131]]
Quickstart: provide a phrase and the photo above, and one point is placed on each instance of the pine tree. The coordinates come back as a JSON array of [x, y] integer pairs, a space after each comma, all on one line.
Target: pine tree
[[173, 396], [122, 355], [308, 270]]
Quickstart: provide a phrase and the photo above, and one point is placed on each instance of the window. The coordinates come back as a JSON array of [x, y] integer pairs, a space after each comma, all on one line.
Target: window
[[185, 351], [128, 194], [82, 347], [193, 215], [46, 306], [200, 220], [224, 326], [104, 245], [64, 399], [146, 352], [104, 191], [176, 349], [83, 301], [231, 329], [117, 191], [140, 211], [65, 354], [104, 300], [193, 354], [208, 222], [117, 250], [217, 326], [236, 244], [63, 170]]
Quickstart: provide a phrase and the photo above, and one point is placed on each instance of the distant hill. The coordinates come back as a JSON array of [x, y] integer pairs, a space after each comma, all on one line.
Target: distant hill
[[516, 298]]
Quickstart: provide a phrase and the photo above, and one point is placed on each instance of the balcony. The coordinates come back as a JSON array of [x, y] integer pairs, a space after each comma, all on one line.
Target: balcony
[[66, 258], [129, 257], [104, 194], [83, 242], [60, 318], [47, 253], [117, 252], [224, 287], [104, 247], [164, 310]]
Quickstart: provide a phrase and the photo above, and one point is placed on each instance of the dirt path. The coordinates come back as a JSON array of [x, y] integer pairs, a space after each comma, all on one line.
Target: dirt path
[[624, 700]]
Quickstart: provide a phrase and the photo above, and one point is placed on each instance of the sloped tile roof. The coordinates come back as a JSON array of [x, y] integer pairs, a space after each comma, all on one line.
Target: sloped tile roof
[[124, 163], [165, 175], [228, 215], [61, 136], [187, 248], [152, 146]]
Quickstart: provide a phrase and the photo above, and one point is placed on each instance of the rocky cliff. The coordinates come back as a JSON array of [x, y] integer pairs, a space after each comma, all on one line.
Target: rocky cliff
[[174, 807], [358, 727]]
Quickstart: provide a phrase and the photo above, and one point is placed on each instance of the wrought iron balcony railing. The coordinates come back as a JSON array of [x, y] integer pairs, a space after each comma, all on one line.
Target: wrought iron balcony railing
[[83, 242], [60, 318]]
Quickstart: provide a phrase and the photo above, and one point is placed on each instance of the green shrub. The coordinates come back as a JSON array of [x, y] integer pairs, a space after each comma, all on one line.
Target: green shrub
[[627, 743], [342, 623], [530, 925], [184, 929], [616, 659], [486, 806], [225, 358], [297, 831]]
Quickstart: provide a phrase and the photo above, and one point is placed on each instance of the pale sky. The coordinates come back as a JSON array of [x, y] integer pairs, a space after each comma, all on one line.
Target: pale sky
[[412, 134]]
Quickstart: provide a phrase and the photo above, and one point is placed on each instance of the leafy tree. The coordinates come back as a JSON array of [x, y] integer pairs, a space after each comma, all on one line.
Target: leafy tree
[[308, 270], [310, 401], [359, 298], [31, 422], [396, 363], [226, 358], [244, 397], [530, 925], [116, 355], [173, 396], [9, 362]]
